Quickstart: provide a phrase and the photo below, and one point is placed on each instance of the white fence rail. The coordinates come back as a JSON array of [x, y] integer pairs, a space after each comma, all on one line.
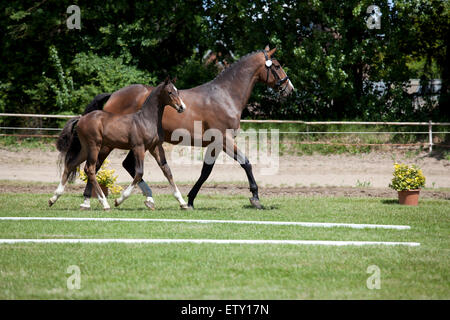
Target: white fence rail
[[428, 124]]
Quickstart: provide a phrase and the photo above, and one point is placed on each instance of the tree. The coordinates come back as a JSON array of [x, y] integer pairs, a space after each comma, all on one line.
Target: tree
[[342, 68]]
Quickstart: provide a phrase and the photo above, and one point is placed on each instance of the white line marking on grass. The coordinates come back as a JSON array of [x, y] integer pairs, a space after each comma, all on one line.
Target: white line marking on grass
[[214, 241], [284, 223]]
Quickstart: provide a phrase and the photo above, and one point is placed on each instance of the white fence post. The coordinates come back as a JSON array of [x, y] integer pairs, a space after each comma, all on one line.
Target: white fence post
[[430, 136]]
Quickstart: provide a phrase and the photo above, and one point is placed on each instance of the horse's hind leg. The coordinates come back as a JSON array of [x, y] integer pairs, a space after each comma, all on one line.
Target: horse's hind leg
[[68, 168], [103, 154], [232, 150], [129, 164], [139, 153], [160, 158]]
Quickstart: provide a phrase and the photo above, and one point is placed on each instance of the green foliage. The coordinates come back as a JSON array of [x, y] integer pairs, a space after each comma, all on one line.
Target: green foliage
[[4, 88], [92, 75], [334, 59], [103, 74], [19, 144], [329, 53], [194, 72]]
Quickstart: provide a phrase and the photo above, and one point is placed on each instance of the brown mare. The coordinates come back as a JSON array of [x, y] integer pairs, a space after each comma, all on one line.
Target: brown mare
[[137, 132], [218, 104]]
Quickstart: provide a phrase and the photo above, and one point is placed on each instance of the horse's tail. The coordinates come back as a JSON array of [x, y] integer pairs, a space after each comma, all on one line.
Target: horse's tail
[[68, 145], [66, 136], [97, 103]]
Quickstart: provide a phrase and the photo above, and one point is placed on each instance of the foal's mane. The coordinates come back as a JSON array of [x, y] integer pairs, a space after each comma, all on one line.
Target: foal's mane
[[153, 95]]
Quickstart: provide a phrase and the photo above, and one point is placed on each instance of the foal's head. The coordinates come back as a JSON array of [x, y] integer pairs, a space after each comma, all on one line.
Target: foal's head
[[170, 96], [273, 74]]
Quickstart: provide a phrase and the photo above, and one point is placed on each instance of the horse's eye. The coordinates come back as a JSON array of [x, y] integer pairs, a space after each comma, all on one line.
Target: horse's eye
[[277, 67]]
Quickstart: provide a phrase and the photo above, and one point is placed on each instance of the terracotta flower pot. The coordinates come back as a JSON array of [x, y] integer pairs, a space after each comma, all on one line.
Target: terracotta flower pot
[[409, 197], [104, 189]]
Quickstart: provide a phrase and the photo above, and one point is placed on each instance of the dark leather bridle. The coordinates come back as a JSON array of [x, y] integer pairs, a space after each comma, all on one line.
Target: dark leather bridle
[[279, 82]]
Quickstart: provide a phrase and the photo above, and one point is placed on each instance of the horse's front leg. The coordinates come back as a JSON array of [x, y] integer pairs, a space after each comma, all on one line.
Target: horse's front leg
[[139, 153], [103, 154], [160, 158]]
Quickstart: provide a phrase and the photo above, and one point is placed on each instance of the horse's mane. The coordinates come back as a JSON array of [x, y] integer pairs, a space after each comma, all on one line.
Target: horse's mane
[[234, 65]]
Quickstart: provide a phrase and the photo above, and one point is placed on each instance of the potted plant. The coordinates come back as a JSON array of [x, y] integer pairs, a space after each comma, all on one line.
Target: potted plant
[[105, 178], [407, 181]]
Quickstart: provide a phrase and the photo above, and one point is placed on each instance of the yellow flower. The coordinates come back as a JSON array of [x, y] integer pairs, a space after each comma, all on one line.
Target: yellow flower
[[407, 177], [104, 177]]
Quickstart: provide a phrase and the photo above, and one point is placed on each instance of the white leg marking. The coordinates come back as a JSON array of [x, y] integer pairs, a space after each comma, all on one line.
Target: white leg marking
[[58, 192], [86, 204], [125, 194], [150, 199], [179, 197], [103, 201]]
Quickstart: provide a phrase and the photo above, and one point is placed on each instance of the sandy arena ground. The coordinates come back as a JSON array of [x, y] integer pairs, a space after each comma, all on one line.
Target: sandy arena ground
[[310, 175]]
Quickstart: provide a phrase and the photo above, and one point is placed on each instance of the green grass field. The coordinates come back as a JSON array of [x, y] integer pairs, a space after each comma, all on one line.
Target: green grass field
[[213, 271]]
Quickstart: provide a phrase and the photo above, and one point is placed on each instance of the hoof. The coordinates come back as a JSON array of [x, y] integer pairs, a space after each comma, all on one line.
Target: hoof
[[50, 203], [191, 206], [116, 204], [82, 207], [149, 205], [106, 209], [255, 203], [186, 207]]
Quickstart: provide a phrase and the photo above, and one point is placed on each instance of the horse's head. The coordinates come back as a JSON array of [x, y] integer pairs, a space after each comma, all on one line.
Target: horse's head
[[273, 74], [171, 95]]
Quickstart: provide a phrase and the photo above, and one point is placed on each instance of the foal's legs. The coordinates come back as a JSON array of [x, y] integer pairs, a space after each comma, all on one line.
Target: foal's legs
[[139, 153], [90, 169], [103, 154], [68, 167], [160, 158], [208, 164], [129, 165], [232, 150]]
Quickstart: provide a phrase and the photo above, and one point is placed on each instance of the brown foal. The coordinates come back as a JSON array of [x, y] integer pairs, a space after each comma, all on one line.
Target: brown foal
[[137, 132]]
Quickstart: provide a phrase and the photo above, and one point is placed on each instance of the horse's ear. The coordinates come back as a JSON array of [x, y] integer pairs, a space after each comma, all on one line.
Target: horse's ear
[[166, 81], [174, 80], [267, 48], [271, 52]]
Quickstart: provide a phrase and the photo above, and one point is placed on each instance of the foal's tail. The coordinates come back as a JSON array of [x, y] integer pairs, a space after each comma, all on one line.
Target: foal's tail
[[68, 143]]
